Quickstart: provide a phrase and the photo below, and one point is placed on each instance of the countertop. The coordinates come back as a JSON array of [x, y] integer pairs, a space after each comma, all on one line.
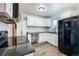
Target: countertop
[[18, 50], [43, 32]]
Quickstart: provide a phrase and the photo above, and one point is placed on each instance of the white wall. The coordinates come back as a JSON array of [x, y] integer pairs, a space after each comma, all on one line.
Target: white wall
[[38, 21], [23, 28], [3, 26], [69, 12], [75, 10], [54, 26]]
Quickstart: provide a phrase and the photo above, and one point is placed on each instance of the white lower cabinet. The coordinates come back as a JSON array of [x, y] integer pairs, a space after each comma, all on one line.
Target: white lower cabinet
[[49, 37], [29, 38], [42, 37]]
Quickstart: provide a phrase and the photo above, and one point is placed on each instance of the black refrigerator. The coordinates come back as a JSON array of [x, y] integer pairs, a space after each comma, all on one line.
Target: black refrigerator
[[68, 36]]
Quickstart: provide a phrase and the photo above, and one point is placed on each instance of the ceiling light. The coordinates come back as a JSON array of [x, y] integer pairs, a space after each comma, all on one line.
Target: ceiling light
[[41, 8]]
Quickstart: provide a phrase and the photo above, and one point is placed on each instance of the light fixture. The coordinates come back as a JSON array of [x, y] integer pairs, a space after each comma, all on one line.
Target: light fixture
[[41, 8]]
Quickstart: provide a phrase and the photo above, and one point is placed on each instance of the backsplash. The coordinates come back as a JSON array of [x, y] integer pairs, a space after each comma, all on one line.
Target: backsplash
[[3, 26]]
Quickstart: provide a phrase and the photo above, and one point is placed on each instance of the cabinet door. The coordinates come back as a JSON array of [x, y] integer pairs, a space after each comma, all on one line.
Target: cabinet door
[[12, 9], [2, 7], [74, 37], [61, 35], [67, 36], [9, 9]]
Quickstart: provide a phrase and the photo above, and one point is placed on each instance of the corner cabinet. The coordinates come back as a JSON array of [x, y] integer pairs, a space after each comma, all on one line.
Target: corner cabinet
[[52, 38]]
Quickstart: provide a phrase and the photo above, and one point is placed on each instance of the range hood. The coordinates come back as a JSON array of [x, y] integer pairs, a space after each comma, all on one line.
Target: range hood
[[10, 13], [6, 18]]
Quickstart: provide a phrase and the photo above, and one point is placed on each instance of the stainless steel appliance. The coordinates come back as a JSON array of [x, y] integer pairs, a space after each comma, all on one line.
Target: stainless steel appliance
[[3, 39]]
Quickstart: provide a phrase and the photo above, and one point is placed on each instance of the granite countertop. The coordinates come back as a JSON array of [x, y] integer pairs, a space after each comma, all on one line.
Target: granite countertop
[[43, 32], [18, 50]]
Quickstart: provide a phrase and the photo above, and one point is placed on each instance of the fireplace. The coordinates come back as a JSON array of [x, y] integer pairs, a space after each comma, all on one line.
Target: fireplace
[[3, 39]]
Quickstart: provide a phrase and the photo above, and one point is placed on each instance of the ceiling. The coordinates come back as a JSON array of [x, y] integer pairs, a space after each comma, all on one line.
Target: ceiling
[[51, 8]]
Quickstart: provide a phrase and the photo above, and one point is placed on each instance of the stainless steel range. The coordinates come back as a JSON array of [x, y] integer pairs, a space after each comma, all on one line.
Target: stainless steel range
[[3, 39]]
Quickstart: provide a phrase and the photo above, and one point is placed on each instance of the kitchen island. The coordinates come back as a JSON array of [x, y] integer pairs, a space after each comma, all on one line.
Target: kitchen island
[[19, 50]]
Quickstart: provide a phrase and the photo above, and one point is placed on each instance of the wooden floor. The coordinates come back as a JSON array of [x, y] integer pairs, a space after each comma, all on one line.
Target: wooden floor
[[46, 49]]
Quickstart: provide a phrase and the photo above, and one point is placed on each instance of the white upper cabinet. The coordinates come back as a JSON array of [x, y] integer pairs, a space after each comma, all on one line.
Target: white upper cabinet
[[38, 21], [1, 7], [12, 9], [9, 9], [6, 7]]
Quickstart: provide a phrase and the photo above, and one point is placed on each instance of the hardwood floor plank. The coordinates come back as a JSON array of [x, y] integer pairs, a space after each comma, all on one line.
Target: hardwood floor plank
[[46, 49]]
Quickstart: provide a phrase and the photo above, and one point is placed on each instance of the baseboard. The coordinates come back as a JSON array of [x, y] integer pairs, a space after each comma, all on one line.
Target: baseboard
[[48, 43]]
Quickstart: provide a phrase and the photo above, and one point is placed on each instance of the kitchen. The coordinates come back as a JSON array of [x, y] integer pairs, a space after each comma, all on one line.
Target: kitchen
[[33, 26]]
